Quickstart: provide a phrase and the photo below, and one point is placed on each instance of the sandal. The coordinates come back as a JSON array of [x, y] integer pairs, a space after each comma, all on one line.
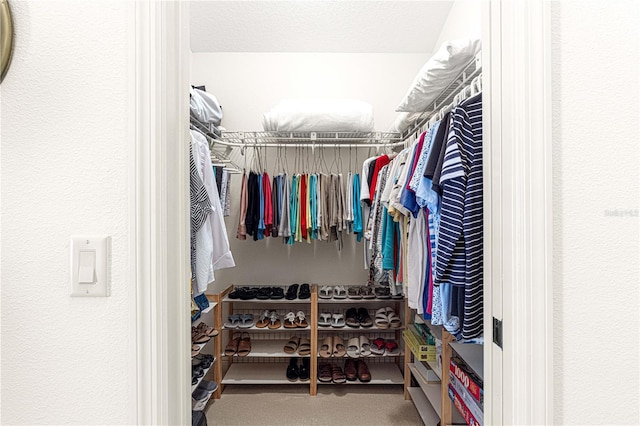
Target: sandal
[[274, 320], [305, 292], [236, 293], [354, 293], [209, 331], [367, 292], [301, 321], [325, 319], [324, 372], [383, 293], [337, 320], [339, 292], [292, 292], [353, 348], [264, 293], [249, 293], [290, 320], [232, 346], [303, 370], [292, 345], [394, 320], [382, 319], [246, 321], [277, 293], [377, 346], [364, 318], [233, 321], [326, 292], [352, 320], [244, 347], [326, 348], [305, 347], [264, 319], [365, 346], [391, 348], [337, 376], [338, 347]]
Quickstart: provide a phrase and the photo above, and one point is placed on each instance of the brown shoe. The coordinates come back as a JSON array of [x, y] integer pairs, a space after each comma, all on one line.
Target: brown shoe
[[232, 346], [324, 372], [337, 376], [363, 371], [350, 370], [244, 347]]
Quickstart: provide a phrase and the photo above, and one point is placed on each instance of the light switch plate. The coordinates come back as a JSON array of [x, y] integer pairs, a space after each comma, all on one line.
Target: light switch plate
[[90, 265]]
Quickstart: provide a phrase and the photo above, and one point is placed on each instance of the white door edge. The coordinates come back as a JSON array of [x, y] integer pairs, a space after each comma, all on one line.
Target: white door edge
[[160, 218]]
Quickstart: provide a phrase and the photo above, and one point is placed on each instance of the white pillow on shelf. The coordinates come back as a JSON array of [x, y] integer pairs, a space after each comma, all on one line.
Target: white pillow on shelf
[[439, 71]]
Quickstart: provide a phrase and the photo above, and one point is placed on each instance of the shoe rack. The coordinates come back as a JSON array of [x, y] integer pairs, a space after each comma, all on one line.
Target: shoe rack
[[208, 317], [266, 363], [427, 381]]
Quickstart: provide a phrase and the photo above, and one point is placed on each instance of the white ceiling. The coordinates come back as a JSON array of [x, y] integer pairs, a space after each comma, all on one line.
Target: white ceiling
[[317, 26]]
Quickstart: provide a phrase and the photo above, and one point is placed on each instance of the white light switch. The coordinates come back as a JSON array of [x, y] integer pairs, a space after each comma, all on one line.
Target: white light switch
[[89, 265]]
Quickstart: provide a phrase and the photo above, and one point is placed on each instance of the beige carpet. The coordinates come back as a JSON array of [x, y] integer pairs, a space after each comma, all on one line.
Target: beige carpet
[[291, 405]]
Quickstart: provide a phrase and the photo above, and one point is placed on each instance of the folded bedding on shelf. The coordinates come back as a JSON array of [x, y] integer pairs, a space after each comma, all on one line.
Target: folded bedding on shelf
[[319, 115], [205, 107], [439, 71]]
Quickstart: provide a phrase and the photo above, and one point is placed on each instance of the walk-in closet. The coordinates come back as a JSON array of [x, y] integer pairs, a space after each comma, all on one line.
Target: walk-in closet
[[336, 209]]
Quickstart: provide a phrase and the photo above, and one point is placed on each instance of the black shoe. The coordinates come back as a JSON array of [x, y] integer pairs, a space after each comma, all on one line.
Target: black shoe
[[303, 370], [305, 292], [264, 293], [292, 370], [277, 293], [292, 292], [249, 293]]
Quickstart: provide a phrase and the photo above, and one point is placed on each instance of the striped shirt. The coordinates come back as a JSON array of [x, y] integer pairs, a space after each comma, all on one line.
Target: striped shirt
[[459, 247]]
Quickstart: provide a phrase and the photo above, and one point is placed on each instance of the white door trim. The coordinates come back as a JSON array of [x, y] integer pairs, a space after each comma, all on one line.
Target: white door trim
[[160, 222], [518, 208]]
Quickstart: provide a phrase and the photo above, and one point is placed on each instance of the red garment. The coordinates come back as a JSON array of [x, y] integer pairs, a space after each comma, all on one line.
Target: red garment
[[416, 156], [303, 205], [380, 163], [268, 206]]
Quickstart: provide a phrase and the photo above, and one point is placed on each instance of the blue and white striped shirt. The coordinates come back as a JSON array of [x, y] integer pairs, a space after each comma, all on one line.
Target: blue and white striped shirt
[[459, 247]]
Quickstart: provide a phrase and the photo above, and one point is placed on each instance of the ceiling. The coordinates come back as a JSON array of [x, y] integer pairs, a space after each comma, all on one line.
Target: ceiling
[[317, 26]]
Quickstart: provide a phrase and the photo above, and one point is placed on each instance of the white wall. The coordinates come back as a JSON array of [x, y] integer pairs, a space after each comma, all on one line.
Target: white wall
[[464, 20], [65, 149], [249, 84], [595, 170]]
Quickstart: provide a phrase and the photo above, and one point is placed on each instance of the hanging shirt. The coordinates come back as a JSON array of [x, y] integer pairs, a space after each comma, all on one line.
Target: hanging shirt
[[242, 216], [357, 208], [460, 239], [268, 207], [200, 207], [285, 226], [261, 227]]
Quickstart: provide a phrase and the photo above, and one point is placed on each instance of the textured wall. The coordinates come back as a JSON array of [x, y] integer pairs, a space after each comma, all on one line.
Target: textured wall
[[64, 171], [595, 171]]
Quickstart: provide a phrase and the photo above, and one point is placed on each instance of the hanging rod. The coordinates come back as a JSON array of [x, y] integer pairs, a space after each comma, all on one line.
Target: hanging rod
[[310, 139]]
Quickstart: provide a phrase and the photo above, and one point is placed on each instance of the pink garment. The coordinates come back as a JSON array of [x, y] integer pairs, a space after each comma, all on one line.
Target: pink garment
[[268, 205]]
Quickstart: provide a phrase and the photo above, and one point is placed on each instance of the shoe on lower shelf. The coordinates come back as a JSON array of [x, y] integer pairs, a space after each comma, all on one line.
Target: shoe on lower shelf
[[292, 370]]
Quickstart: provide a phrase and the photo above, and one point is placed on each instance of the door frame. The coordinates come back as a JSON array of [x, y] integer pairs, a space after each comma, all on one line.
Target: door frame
[[518, 210]]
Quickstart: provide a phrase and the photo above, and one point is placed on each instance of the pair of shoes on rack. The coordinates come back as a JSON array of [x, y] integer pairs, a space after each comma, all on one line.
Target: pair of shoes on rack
[[358, 347], [297, 320], [358, 318], [328, 373], [302, 345], [298, 291], [332, 346], [356, 369], [384, 347], [273, 293], [239, 345], [269, 319], [240, 321], [386, 318], [336, 292], [298, 372]]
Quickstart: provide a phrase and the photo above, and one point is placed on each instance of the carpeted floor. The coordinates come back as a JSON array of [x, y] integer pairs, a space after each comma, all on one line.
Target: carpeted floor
[[291, 405]]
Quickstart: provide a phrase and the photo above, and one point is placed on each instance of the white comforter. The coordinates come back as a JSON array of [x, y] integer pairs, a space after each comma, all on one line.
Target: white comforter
[[319, 115]]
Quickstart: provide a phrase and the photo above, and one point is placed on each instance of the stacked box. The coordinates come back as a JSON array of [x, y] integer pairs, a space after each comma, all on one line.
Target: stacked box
[[419, 348], [462, 408]]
